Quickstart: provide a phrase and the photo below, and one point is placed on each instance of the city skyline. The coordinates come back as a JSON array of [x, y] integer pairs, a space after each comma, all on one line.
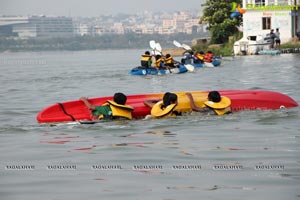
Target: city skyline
[[93, 8]]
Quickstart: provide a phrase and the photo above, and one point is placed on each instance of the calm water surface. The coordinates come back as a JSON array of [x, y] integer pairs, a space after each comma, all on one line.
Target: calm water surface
[[246, 155]]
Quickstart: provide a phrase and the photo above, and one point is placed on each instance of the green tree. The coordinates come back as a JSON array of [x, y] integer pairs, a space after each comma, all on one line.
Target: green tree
[[217, 15]]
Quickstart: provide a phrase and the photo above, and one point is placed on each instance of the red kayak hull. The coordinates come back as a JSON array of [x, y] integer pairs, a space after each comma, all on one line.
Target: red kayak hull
[[240, 100]]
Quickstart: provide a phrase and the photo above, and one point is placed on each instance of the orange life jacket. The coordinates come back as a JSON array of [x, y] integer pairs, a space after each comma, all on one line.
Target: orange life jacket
[[208, 57]]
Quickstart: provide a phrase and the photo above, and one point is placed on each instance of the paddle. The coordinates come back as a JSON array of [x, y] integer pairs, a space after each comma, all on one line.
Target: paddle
[[189, 67], [177, 44], [188, 48], [184, 46], [154, 46], [158, 47]]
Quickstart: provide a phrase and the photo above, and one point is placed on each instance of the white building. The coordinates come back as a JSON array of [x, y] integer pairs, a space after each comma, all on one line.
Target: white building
[[263, 15]]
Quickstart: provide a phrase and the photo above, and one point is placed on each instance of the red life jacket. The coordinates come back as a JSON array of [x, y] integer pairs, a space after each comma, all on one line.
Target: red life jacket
[[208, 57]]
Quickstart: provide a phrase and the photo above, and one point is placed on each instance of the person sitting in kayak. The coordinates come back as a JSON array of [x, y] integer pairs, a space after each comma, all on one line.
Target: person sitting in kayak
[[216, 104], [116, 109], [187, 57], [170, 62], [159, 62], [146, 60], [198, 57], [208, 57], [163, 108]]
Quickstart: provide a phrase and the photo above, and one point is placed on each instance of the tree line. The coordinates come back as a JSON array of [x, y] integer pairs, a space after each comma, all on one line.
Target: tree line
[[109, 41]]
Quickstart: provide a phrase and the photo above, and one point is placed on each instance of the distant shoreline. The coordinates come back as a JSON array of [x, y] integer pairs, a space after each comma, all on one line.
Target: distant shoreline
[[173, 51], [126, 41]]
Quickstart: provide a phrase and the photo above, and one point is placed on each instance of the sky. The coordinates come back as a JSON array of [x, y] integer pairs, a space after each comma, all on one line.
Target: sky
[[92, 8]]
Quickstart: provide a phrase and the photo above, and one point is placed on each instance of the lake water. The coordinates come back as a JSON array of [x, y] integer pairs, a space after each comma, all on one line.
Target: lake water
[[246, 155]]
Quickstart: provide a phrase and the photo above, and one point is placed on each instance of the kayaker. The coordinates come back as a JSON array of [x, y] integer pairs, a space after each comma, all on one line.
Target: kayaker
[[165, 107], [116, 109], [170, 62], [146, 59], [159, 62], [208, 57], [216, 104], [187, 57], [198, 57]]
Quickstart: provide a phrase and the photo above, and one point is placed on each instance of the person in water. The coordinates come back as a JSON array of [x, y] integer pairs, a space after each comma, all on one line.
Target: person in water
[[116, 109], [165, 107], [146, 60], [216, 104]]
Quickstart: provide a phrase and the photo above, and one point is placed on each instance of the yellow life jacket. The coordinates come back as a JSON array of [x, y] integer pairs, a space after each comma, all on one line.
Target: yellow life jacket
[[119, 110], [157, 63], [200, 56], [220, 108], [168, 60], [158, 111], [146, 57]]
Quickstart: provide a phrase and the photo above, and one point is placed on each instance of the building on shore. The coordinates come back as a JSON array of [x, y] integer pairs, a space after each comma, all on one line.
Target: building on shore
[[36, 26], [163, 23], [263, 15]]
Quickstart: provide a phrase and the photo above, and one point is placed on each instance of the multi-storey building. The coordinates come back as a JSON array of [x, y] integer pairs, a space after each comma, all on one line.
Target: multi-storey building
[[145, 23], [36, 26]]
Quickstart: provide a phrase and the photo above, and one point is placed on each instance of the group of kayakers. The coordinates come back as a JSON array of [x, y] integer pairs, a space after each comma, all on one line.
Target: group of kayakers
[[159, 62], [167, 61], [165, 107], [190, 57]]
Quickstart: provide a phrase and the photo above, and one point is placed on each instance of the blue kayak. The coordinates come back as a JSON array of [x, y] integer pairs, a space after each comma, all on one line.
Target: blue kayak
[[154, 71], [214, 63]]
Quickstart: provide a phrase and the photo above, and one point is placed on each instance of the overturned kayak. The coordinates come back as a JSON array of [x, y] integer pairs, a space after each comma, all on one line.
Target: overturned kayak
[[240, 100], [154, 71]]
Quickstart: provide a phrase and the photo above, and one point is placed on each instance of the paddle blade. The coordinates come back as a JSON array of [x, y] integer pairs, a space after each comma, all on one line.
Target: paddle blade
[[158, 47], [177, 44], [186, 47], [190, 67], [206, 64], [152, 44]]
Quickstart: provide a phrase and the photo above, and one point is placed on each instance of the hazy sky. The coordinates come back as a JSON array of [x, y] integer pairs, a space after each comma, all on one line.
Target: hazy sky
[[93, 7]]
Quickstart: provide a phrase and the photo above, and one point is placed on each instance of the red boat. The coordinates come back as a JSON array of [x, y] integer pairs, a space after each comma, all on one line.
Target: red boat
[[240, 100]]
